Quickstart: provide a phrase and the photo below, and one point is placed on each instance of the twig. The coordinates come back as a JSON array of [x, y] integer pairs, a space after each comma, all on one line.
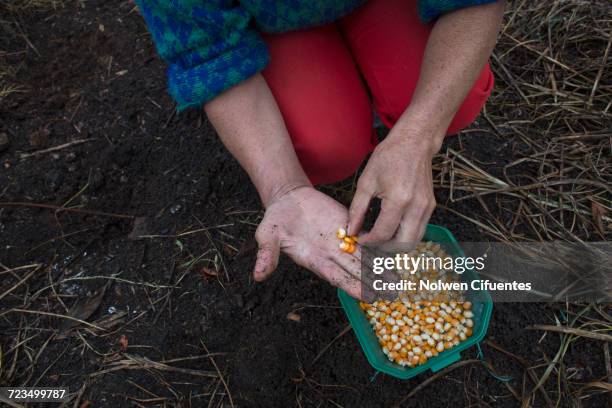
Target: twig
[[434, 377], [571, 330], [61, 316], [342, 333], [28, 276], [54, 148], [212, 360], [608, 367], [133, 362], [600, 71], [60, 209]]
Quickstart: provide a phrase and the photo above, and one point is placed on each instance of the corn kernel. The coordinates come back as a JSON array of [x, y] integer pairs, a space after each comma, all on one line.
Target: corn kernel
[[413, 330], [349, 240]]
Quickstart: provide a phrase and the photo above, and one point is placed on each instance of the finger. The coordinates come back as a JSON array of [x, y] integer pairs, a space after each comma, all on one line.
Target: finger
[[421, 230], [386, 224], [413, 226], [407, 235], [267, 256], [358, 210], [334, 274]]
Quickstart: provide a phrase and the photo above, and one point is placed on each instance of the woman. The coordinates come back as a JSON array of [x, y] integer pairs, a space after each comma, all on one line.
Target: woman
[[290, 85]]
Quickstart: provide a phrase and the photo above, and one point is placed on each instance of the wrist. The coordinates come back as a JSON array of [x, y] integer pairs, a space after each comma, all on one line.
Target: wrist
[[423, 127], [418, 136], [276, 191]]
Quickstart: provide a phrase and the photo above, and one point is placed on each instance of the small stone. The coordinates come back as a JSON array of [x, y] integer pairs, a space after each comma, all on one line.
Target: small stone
[[4, 142], [123, 179], [39, 138], [112, 310], [70, 289], [175, 208], [294, 317]]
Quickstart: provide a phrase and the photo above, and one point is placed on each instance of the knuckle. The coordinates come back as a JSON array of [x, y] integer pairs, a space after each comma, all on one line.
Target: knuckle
[[365, 184], [432, 204], [381, 236], [423, 203], [260, 234], [263, 235], [402, 197], [387, 235], [354, 211]]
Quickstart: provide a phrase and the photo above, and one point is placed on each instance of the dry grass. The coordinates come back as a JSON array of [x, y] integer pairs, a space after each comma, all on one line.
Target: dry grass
[[552, 108], [552, 105], [10, 13], [7, 85]]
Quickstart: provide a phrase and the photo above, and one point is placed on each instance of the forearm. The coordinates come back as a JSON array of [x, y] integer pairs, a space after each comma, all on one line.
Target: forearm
[[457, 50], [250, 125]]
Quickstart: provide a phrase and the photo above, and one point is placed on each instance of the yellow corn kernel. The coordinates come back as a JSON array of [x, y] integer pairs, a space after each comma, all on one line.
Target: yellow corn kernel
[[341, 233], [349, 240], [413, 330]]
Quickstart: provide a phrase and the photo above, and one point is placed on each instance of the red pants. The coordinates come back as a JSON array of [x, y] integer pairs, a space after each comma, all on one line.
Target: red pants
[[316, 77]]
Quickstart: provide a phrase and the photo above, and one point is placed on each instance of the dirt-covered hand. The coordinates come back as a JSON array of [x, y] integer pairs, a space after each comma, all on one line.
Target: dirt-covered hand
[[399, 173], [302, 223]]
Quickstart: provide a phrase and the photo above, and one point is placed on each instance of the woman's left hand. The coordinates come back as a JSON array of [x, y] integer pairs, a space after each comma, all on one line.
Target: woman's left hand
[[399, 173]]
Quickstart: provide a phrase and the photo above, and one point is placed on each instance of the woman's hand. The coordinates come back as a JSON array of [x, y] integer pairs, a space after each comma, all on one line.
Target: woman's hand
[[399, 173], [302, 223]]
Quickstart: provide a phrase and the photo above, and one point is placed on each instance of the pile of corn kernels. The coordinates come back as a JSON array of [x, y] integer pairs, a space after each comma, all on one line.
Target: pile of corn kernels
[[411, 333], [416, 327]]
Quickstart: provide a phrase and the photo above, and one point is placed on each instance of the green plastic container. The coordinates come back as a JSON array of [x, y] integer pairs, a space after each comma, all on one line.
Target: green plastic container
[[482, 306]]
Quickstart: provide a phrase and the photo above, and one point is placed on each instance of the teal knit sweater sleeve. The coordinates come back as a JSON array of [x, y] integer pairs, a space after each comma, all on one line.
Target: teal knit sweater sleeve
[[429, 10], [208, 45]]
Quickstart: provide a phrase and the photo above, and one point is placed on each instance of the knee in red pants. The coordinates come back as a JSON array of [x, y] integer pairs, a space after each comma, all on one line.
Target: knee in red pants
[[388, 42], [473, 103], [324, 104], [333, 154]]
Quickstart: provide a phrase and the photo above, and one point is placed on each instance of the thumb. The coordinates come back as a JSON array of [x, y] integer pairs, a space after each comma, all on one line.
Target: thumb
[[267, 255]]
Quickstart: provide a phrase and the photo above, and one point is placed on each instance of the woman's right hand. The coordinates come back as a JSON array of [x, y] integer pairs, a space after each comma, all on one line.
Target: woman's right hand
[[303, 224]]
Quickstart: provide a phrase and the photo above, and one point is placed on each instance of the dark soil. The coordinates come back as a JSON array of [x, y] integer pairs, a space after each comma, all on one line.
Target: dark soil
[[95, 76]]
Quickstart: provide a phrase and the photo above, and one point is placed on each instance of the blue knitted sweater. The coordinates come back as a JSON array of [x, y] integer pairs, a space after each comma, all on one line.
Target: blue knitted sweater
[[211, 45]]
